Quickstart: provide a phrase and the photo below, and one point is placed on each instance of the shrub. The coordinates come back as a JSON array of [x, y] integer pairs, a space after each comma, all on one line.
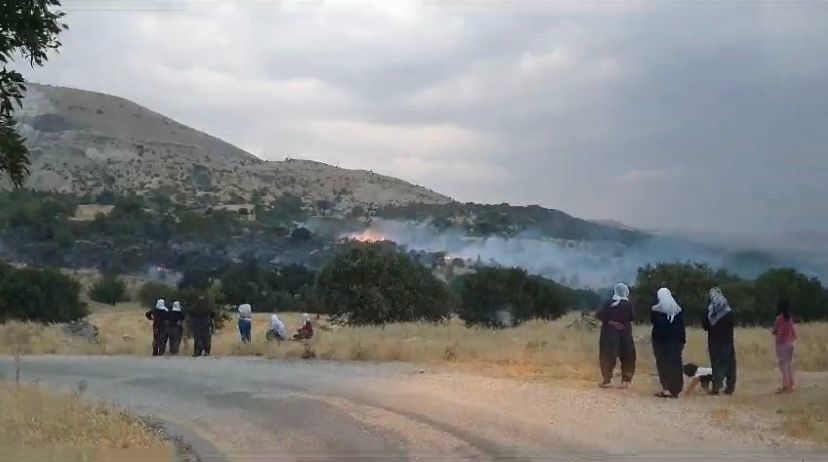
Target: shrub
[[500, 297], [689, 283], [809, 301], [30, 294], [109, 289], [150, 292], [371, 284]]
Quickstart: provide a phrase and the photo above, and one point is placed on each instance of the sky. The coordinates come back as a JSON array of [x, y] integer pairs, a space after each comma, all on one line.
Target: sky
[[703, 116]]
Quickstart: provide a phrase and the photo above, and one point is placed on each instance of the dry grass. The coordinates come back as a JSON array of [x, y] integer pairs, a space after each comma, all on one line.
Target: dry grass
[[35, 423], [535, 350]]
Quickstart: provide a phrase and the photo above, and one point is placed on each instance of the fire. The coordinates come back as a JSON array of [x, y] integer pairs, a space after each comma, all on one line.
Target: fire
[[367, 236]]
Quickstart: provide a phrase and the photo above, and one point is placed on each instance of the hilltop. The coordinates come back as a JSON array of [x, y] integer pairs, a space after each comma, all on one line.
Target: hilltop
[[83, 142]]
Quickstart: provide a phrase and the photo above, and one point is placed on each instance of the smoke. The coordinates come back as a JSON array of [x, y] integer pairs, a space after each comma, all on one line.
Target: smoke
[[576, 263]]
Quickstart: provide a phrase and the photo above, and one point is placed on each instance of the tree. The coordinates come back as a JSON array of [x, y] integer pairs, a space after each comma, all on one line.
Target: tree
[[689, 282], [371, 284], [109, 289], [30, 294], [809, 301], [505, 297], [29, 28]]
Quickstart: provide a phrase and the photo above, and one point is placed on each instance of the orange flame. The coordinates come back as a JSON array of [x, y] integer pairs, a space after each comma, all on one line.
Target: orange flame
[[367, 236]]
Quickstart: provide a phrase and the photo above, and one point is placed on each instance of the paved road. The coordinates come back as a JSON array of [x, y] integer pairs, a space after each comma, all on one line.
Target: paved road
[[238, 409]]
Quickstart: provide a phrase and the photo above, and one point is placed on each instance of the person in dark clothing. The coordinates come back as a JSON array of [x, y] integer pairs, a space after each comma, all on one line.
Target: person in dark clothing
[[668, 338], [720, 346], [175, 329], [616, 341], [159, 317], [202, 326]]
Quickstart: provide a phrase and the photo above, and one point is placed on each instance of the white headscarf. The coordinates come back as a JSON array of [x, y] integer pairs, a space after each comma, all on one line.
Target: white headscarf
[[718, 307], [667, 304], [306, 317], [161, 305], [277, 325], [176, 306], [245, 311], [622, 292]]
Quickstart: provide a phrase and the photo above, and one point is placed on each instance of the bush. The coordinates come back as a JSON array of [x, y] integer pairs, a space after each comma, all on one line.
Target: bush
[[150, 292], [370, 284], [500, 297], [109, 289], [30, 294]]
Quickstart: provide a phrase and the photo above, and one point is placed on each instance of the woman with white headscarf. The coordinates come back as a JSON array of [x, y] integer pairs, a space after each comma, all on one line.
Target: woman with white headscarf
[[616, 341], [175, 330], [668, 338], [245, 322], [159, 317], [306, 331], [277, 331], [719, 325]]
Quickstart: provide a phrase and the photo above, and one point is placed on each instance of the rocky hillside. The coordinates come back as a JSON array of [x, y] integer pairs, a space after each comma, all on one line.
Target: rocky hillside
[[85, 142]]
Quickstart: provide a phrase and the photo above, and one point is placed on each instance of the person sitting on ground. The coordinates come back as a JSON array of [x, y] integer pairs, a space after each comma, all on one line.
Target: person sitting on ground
[[306, 331], [277, 330], [159, 317], [698, 375]]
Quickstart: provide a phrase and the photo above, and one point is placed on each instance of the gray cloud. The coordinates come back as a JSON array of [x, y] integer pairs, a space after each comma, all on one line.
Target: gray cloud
[[703, 116]]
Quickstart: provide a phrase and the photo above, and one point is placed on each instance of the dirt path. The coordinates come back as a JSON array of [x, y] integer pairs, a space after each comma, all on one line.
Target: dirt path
[[246, 409]]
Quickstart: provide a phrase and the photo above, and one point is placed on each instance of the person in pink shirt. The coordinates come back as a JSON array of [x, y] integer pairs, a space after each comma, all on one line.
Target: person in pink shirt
[[785, 334]]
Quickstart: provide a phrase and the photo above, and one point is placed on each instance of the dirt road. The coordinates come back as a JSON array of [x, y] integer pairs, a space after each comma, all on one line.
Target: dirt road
[[251, 409]]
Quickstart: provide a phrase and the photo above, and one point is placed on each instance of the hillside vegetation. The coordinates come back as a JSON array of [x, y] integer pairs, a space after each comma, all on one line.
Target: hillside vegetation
[[83, 142]]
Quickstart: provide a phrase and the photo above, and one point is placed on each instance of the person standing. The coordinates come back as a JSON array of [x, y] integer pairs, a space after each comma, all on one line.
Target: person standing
[[159, 317], [719, 325], [202, 326], [245, 322], [785, 333], [616, 341], [176, 328], [668, 336]]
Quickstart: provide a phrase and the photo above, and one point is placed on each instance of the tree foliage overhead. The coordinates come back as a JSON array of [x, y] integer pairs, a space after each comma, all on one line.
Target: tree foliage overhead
[[28, 28], [371, 284], [505, 297]]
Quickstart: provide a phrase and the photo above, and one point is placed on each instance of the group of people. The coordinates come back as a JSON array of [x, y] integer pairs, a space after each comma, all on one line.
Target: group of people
[[168, 328], [669, 338]]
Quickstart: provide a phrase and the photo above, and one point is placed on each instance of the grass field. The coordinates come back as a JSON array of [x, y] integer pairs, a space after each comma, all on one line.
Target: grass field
[[36, 424], [534, 351]]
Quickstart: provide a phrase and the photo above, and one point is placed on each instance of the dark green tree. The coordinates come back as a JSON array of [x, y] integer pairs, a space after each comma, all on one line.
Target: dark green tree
[[109, 289], [371, 284], [30, 294], [809, 301], [28, 28], [504, 297], [689, 282]]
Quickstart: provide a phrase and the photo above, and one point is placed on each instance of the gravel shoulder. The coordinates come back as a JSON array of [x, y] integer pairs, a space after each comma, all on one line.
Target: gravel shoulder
[[246, 409]]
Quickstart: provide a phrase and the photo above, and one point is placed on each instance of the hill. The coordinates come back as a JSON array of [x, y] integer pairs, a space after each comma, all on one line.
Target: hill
[[83, 142]]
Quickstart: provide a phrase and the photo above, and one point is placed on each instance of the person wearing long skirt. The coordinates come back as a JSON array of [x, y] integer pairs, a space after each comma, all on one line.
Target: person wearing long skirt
[[616, 341], [719, 325], [175, 332], [668, 338]]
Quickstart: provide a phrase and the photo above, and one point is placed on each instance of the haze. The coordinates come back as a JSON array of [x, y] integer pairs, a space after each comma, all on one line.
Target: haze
[[695, 116]]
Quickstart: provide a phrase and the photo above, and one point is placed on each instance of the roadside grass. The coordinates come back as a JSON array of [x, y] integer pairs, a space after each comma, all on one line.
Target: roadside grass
[[36, 423], [542, 350]]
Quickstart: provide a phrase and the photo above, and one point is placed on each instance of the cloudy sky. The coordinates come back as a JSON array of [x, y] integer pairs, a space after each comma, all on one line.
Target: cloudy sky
[[697, 115]]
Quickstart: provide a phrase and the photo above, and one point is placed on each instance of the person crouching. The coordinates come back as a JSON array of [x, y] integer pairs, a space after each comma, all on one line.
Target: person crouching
[[306, 331]]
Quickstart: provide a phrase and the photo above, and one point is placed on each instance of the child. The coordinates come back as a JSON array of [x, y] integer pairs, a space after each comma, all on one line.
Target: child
[[703, 375], [785, 334]]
